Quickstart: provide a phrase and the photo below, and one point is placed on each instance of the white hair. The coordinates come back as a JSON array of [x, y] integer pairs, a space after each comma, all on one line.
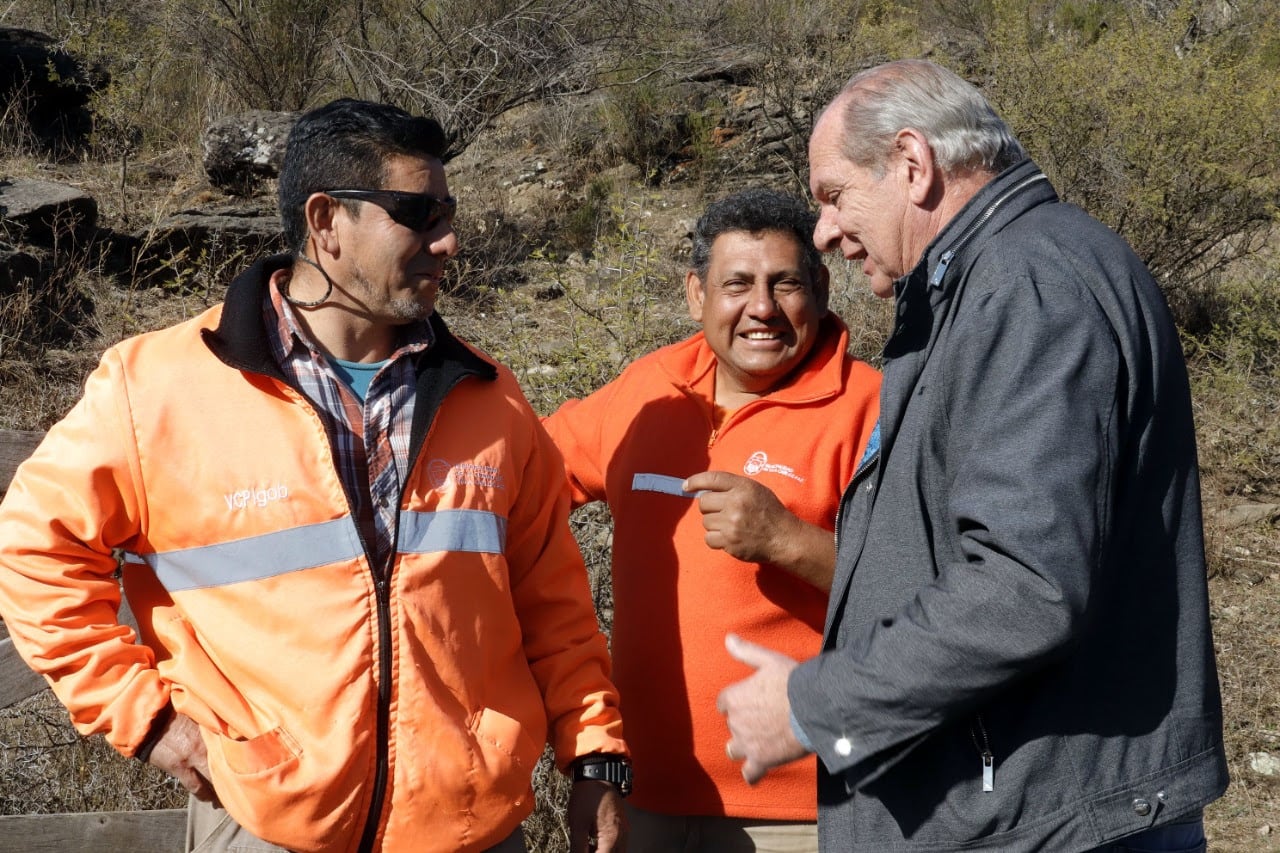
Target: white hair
[[959, 124]]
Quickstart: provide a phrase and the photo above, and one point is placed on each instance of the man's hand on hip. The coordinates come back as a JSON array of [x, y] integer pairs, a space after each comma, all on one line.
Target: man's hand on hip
[[758, 711], [180, 752]]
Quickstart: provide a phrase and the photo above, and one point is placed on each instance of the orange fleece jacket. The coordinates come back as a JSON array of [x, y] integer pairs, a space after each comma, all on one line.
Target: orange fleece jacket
[[674, 597]]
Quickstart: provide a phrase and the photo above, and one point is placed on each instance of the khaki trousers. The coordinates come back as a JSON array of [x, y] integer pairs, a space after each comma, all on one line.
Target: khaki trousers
[[211, 830], [659, 833]]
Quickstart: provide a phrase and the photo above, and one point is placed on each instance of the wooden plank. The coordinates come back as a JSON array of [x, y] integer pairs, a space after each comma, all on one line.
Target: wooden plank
[[99, 832], [17, 681], [15, 446]]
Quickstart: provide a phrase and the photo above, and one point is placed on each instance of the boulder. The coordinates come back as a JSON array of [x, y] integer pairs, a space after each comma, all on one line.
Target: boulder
[[44, 213], [241, 150], [1243, 515], [208, 240], [47, 88]]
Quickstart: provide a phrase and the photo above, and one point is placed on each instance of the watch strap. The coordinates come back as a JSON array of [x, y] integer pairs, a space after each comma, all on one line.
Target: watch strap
[[615, 769]]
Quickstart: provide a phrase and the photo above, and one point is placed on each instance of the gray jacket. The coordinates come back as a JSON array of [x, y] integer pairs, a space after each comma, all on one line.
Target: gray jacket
[[1020, 601]]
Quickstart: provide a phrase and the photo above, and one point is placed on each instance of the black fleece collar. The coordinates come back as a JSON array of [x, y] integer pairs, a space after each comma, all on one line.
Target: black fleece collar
[[241, 341]]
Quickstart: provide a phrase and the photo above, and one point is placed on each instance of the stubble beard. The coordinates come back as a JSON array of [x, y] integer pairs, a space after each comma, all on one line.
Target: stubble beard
[[396, 308]]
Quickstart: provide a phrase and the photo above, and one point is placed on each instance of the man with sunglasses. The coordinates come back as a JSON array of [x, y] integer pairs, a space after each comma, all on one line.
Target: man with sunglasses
[[344, 538]]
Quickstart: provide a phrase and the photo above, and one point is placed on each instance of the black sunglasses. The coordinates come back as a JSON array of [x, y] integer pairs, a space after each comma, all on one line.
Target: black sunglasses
[[418, 211]]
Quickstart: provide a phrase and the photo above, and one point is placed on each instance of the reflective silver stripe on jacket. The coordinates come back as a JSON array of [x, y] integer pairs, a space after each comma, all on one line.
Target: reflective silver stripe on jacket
[[299, 548]]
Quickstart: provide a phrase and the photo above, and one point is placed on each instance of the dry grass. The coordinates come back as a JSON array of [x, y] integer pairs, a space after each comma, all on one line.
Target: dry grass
[[48, 768], [1236, 388], [1246, 625]]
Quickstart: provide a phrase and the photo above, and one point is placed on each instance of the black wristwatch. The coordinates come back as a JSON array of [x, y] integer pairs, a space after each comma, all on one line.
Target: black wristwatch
[[615, 769]]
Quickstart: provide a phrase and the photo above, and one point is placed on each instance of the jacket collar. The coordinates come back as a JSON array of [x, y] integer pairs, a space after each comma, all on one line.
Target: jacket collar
[[1006, 197], [241, 341]]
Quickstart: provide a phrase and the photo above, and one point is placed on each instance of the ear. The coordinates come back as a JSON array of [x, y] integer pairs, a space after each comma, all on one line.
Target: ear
[[694, 293], [822, 289], [321, 213], [917, 162]]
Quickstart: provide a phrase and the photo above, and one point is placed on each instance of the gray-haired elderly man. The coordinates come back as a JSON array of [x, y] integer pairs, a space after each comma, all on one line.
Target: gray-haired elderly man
[[1017, 654]]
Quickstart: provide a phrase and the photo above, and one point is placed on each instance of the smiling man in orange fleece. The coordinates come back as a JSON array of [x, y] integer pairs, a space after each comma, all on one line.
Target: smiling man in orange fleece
[[722, 459]]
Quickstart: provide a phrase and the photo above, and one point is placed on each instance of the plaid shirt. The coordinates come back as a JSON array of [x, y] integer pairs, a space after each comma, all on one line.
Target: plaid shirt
[[371, 441]]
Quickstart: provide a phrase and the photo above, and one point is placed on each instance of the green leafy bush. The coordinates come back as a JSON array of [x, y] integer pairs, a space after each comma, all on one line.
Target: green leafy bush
[[1170, 140]]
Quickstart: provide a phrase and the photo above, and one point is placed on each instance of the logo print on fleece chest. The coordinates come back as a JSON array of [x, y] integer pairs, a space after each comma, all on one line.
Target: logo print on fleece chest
[[256, 496], [758, 463]]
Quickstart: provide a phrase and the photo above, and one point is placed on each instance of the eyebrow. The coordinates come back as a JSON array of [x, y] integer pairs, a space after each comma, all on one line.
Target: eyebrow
[[791, 272]]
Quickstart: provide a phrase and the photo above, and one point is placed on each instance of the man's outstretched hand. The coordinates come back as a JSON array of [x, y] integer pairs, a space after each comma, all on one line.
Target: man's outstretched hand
[[758, 711]]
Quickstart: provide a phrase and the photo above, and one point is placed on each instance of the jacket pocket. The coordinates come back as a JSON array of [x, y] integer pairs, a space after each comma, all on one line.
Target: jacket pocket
[[255, 755], [945, 792], [501, 737]]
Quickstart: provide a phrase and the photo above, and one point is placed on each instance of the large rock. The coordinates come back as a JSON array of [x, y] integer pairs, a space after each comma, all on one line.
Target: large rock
[[1243, 515], [46, 88], [241, 150], [216, 241], [45, 213]]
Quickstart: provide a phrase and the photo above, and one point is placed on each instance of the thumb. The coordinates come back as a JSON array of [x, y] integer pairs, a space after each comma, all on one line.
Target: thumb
[[750, 653]]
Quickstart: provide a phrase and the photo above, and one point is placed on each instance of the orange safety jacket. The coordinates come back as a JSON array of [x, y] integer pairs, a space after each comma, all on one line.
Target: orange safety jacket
[[632, 443], [342, 710]]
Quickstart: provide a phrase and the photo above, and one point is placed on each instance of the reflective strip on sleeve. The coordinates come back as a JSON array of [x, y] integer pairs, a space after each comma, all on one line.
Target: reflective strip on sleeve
[[660, 483], [256, 557], [470, 530]]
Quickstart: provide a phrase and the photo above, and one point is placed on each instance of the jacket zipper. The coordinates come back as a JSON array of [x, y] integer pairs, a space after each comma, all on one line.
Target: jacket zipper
[[988, 759], [870, 457], [382, 594], [945, 260]]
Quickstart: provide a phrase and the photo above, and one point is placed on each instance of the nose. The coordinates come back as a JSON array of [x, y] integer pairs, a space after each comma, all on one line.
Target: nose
[[762, 302], [826, 234], [442, 240]]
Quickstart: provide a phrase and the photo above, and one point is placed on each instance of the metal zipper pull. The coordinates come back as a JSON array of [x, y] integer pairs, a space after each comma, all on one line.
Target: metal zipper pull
[[988, 758], [941, 270]]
